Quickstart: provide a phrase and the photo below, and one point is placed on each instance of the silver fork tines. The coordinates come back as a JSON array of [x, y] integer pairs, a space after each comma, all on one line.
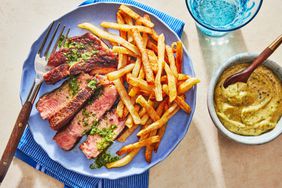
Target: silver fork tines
[[40, 62]]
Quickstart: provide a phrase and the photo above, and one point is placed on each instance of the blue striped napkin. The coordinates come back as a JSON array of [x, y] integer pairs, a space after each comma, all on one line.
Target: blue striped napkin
[[33, 154]]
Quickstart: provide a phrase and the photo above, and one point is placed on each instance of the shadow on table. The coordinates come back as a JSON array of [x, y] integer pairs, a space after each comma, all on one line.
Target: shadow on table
[[190, 158], [215, 51]]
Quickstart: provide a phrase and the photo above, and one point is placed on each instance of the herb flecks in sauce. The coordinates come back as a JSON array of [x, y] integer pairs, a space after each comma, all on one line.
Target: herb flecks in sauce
[[107, 135], [61, 39], [250, 108], [88, 117], [102, 160], [78, 52], [92, 84], [73, 85]]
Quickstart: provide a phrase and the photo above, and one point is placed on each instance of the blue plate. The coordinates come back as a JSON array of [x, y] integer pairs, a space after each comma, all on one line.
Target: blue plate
[[75, 160]]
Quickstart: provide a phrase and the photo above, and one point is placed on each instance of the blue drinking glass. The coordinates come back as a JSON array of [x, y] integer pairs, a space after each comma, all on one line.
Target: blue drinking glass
[[218, 17]]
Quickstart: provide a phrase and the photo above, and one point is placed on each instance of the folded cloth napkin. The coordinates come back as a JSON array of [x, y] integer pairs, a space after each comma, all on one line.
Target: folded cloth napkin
[[30, 152]]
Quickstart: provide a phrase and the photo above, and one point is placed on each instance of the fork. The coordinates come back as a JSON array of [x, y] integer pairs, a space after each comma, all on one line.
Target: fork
[[40, 66]]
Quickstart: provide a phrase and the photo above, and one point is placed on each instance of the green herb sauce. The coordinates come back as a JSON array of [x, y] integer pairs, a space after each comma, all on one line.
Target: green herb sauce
[[102, 160], [73, 85], [92, 84], [107, 135]]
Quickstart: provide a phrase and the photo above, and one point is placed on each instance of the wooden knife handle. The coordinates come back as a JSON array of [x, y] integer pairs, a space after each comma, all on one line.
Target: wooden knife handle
[[14, 140]]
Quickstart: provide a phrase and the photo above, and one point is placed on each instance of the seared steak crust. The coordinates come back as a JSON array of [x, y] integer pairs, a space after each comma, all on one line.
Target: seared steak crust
[[58, 73], [90, 114], [51, 103], [64, 115], [80, 54]]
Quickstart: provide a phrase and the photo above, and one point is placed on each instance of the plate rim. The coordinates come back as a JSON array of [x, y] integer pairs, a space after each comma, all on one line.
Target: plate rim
[[188, 123]]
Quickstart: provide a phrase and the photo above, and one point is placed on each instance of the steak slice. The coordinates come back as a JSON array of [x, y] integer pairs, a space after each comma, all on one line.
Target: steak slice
[[84, 120], [80, 54], [51, 103], [58, 73], [100, 60], [64, 115], [108, 129], [73, 49]]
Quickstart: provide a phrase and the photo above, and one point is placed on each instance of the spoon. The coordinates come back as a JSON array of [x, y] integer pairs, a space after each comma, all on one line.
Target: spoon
[[244, 75]]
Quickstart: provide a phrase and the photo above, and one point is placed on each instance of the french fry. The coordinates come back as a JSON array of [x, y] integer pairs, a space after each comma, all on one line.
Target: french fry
[[143, 111], [121, 72], [124, 135], [122, 61], [145, 39], [158, 124], [171, 60], [152, 46], [161, 132], [153, 59], [125, 113], [182, 104], [136, 16], [179, 101], [110, 37], [119, 109], [150, 110], [129, 121], [154, 35], [149, 148], [173, 46], [145, 35], [122, 50], [120, 20], [172, 90], [125, 27], [144, 119], [185, 86], [137, 68], [141, 73], [161, 52], [147, 68], [181, 78], [126, 100], [128, 20], [139, 144], [123, 161], [133, 91], [179, 56], [137, 82]]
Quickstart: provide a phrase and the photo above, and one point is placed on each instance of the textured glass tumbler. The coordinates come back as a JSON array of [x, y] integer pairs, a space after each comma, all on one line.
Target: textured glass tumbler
[[218, 17]]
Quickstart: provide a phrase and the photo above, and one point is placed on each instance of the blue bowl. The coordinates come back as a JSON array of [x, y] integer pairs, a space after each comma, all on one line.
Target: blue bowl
[[218, 17]]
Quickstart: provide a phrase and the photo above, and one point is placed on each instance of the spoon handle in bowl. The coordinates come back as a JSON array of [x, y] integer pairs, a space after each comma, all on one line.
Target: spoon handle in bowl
[[265, 54]]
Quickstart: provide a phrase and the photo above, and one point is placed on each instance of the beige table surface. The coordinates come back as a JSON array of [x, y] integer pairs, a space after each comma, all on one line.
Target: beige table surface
[[204, 158]]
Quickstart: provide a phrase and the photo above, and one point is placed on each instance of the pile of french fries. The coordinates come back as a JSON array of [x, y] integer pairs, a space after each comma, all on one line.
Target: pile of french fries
[[153, 72]]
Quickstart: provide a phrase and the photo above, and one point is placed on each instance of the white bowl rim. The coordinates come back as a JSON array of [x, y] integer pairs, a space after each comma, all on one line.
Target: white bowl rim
[[251, 140]]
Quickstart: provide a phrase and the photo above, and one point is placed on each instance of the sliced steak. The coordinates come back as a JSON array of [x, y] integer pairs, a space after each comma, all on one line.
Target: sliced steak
[[64, 115], [103, 135], [88, 116], [51, 103], [80, 54], [58, 73], [74, 48], [100, 60]]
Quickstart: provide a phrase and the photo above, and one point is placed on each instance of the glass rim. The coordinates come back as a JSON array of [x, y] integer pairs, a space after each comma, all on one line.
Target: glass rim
[[223, 30]]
